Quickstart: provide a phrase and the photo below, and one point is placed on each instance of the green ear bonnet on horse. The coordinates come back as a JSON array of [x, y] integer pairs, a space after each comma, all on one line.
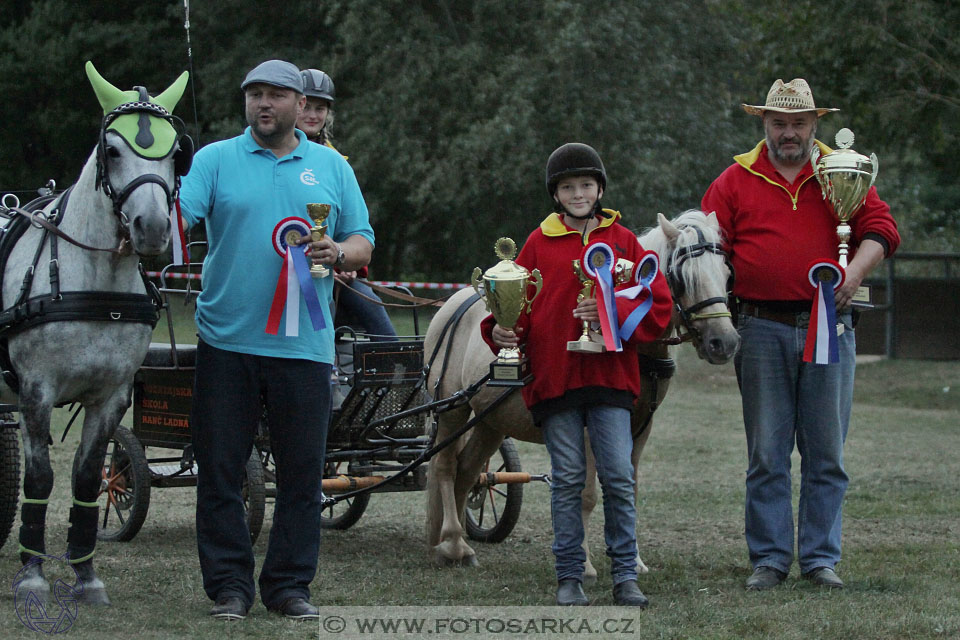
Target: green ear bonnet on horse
[[145, 123]]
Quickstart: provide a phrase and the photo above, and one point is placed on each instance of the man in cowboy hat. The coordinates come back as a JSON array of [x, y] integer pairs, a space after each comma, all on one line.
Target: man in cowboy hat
[[776, 224]]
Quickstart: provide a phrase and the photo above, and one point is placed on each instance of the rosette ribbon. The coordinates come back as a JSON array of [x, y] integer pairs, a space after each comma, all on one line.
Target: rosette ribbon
[[649, 265], [598, 263], [821, 345], [294, 279], [177, 240]]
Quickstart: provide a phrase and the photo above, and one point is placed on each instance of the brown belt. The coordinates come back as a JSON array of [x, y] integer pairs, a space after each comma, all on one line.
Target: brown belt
[[801, 319]]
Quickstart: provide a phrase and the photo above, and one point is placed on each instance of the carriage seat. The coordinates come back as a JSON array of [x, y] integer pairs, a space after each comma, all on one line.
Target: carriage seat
[[160, 356]]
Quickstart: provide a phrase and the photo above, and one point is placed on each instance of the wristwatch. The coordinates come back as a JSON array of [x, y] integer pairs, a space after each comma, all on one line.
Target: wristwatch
[[340, 255]]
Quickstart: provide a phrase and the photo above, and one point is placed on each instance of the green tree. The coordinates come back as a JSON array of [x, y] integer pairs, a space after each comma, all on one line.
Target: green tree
[[894, 70]]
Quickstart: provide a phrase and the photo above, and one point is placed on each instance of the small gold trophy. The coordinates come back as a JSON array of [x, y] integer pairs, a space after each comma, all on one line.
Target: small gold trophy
[[504, 290], [591, 341], [845, 177], [318, 213]]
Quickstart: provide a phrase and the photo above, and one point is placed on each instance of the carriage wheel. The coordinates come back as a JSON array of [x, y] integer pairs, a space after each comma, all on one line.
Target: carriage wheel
[[345, 513], [9, 476], [254, 495], [493, 511], [125, 489]]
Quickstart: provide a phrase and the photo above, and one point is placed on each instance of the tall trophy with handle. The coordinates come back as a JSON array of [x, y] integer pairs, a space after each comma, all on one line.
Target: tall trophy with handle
[[845, 177], [503, 288]]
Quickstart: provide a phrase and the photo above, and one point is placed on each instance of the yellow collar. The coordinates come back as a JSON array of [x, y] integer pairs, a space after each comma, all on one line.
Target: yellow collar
[[553, 224]]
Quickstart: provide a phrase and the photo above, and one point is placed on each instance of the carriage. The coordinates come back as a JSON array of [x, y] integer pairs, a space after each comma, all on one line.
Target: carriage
[[380, 431]]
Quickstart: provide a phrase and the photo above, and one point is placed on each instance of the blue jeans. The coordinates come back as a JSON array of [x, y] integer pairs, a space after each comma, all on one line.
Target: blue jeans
[[354, 311], [223, 421], [786, 400], [612, 444]]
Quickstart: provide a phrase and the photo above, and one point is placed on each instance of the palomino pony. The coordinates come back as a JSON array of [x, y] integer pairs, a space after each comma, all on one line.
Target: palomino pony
[[696, 270], [77, 326]]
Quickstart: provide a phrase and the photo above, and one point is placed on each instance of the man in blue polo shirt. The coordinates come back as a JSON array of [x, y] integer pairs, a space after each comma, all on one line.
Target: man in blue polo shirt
[[250, 193]]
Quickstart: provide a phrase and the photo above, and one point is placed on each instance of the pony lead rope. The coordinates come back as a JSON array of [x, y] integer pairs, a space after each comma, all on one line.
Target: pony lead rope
[[821, 345], [294, 275]]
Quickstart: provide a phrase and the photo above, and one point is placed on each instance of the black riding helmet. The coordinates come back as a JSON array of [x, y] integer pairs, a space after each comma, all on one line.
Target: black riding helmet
[[317, 84], [574, 159]]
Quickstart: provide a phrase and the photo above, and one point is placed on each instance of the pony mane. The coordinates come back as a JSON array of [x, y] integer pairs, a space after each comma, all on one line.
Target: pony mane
[[696, 273]]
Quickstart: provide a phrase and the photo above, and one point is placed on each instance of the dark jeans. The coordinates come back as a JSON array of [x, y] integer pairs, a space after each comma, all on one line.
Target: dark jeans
[[226, 407]]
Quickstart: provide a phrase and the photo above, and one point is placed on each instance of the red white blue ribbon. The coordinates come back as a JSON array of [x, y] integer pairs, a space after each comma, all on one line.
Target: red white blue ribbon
[[821, 345], [598, 262], [643, 274], [177, 240], [294, 279]]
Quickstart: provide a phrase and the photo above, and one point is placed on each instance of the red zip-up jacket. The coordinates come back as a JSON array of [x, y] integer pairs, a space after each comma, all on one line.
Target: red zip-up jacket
[[564, 378], [774, 230]]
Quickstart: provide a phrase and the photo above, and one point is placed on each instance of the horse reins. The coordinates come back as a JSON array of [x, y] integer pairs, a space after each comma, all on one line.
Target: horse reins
[[689, 315], [144, 108]]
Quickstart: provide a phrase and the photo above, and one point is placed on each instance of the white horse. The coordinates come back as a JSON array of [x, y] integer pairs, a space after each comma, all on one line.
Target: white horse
[[77, 316], [696, 269]]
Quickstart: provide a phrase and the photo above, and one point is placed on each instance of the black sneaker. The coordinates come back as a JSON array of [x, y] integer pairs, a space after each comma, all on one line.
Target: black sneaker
[[229, 608], [628, 594], [570, 593], [297, 609], [825, 577], [764, 578]]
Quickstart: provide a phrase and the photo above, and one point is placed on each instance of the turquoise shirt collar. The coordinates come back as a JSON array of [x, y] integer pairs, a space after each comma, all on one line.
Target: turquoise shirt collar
[[250, 145]]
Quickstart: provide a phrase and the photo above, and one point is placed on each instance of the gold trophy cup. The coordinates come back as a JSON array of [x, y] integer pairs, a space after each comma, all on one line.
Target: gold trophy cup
[[503, 288], [591, 341], [845, 177], [318, 213]]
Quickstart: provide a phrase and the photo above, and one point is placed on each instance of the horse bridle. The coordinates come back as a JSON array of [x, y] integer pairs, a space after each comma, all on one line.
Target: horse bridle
[[182, 158], [690, 315]]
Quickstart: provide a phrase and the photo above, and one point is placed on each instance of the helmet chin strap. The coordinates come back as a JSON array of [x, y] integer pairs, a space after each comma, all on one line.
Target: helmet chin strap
[[596, 211]]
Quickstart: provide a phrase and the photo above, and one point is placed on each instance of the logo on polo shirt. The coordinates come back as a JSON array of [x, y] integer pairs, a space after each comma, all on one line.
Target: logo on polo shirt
[[308, 178]]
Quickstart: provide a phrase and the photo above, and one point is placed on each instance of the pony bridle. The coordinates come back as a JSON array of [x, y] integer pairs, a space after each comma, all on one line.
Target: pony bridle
[[690, 315], [103, 178]]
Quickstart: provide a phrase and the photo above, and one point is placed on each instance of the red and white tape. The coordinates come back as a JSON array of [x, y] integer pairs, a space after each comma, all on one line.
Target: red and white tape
[[382, 283]]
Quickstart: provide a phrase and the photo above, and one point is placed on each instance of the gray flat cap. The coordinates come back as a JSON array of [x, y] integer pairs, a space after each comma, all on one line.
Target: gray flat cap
[[276, 72]]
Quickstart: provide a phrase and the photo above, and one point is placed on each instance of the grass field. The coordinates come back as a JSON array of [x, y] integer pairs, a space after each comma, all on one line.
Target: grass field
[[901, 535]]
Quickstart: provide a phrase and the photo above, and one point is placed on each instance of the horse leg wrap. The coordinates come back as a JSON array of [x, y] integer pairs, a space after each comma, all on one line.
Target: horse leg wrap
[[33, 515], [82, 534]]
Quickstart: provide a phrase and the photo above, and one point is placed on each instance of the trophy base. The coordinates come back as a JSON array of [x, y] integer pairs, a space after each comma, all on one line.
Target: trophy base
[[863, 298], [585, 346], [509, 374], [319, 272]]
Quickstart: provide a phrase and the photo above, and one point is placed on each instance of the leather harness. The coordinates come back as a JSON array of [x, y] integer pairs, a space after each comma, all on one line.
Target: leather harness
[[60, 306]]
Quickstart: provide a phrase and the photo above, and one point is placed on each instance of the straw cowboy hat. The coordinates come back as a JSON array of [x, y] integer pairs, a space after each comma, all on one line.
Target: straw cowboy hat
[[790, 97]]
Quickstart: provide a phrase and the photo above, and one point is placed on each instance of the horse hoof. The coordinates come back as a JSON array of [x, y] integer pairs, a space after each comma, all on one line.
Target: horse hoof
[[641, 568], [36, 587], [95, 596], [589, 579], [94, 592], [442, 560]]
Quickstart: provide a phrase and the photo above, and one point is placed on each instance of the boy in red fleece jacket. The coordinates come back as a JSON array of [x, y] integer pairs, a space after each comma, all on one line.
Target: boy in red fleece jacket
[[573, 390]]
